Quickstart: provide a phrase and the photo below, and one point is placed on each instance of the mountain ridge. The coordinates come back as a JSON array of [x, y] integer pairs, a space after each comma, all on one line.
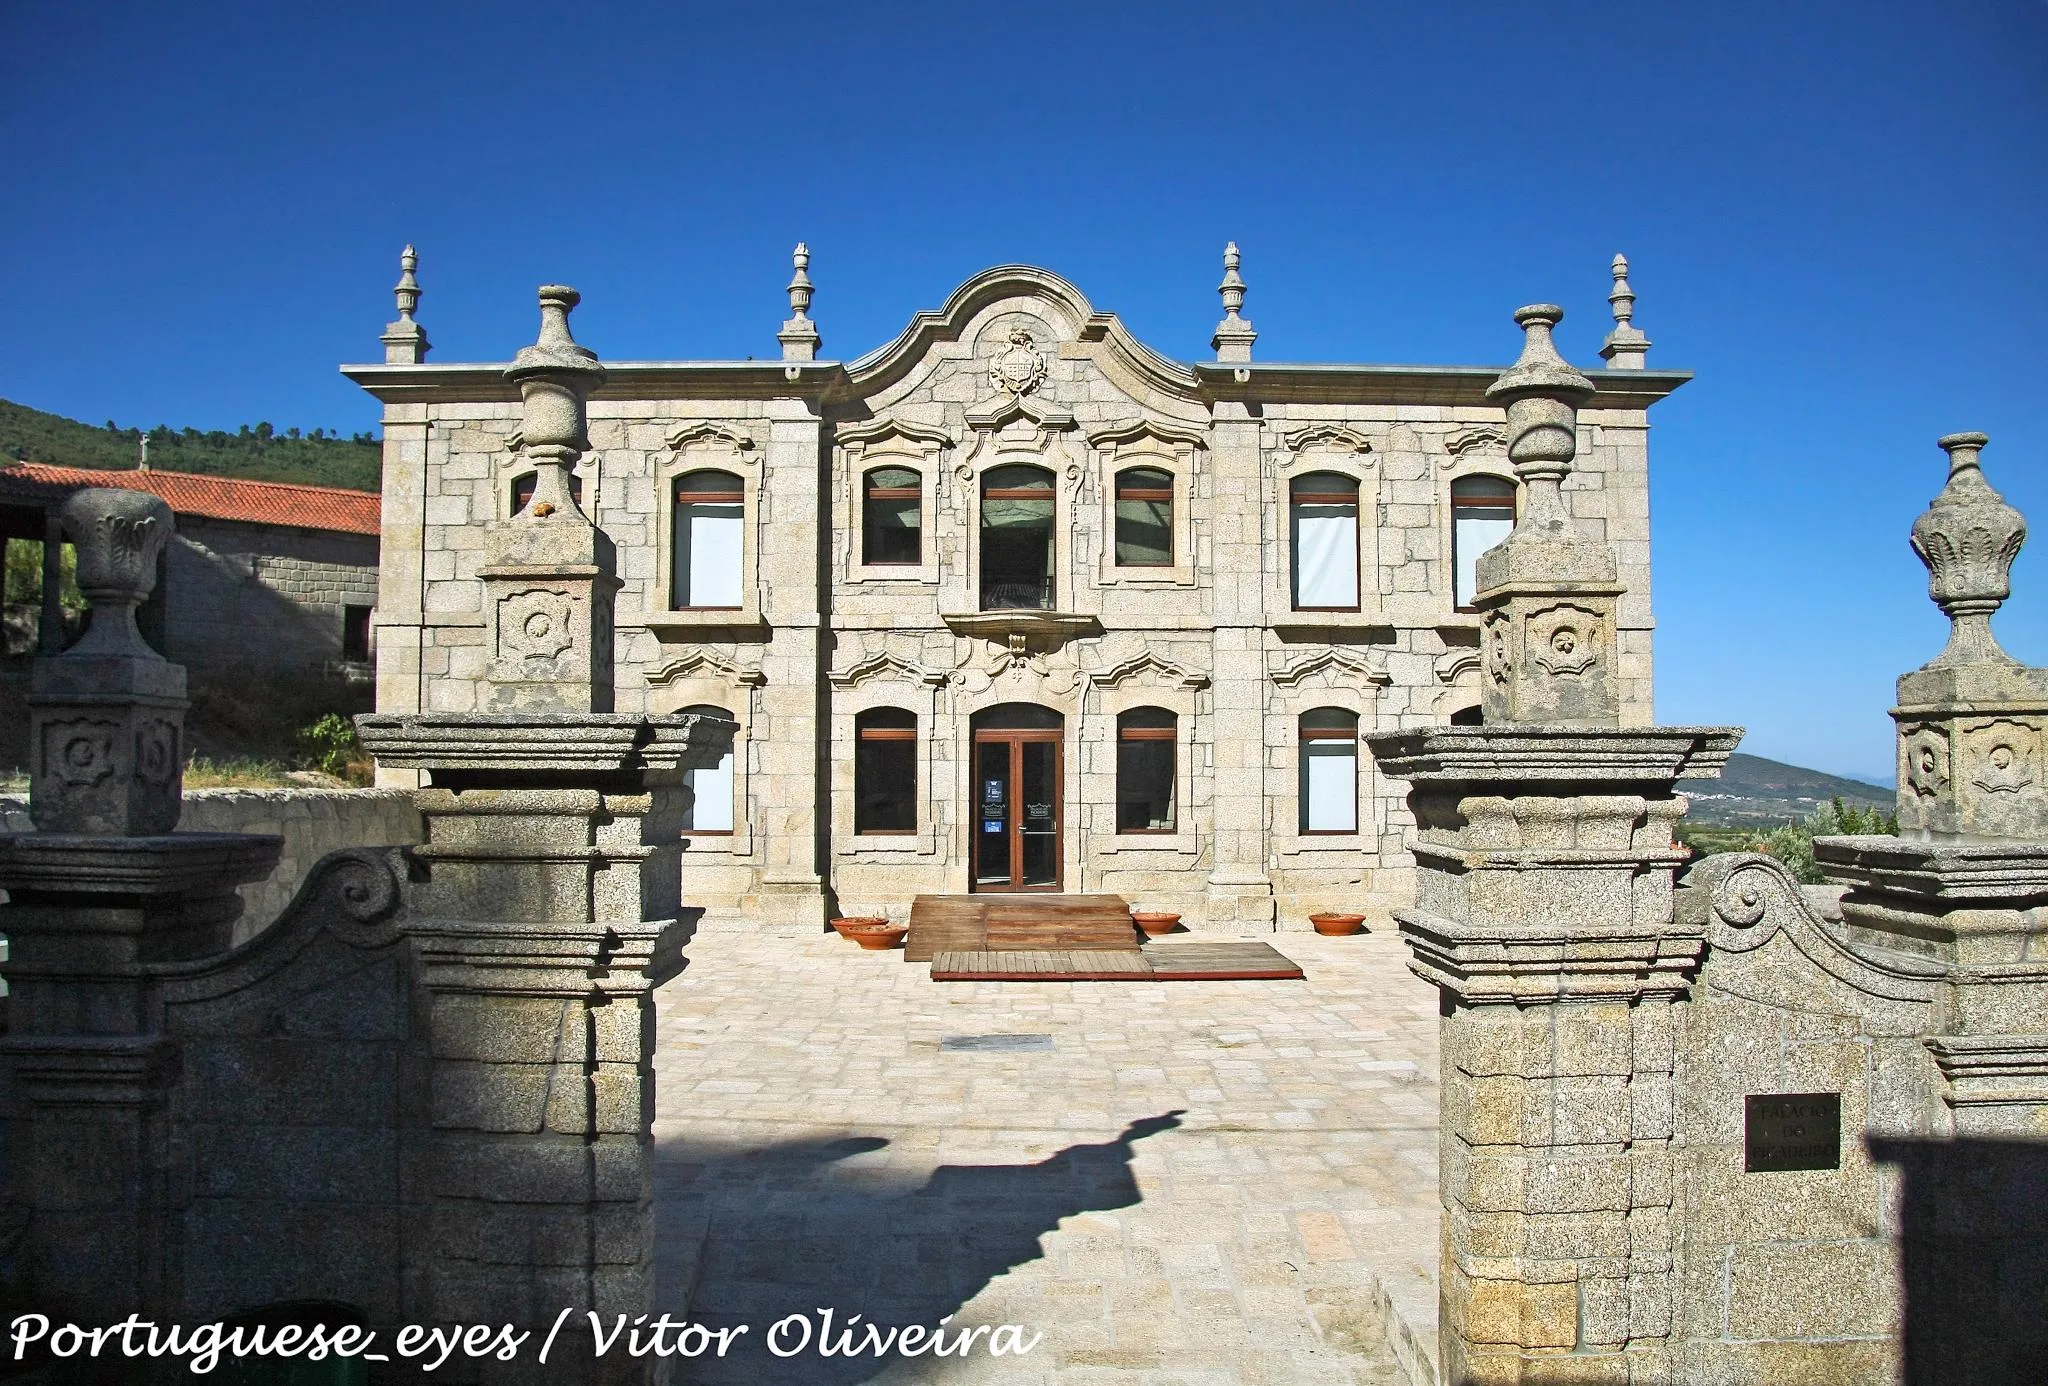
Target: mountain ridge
[[1758, 792]]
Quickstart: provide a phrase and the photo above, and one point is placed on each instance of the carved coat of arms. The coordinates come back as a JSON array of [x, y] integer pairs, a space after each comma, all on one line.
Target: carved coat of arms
[[1020, 368]]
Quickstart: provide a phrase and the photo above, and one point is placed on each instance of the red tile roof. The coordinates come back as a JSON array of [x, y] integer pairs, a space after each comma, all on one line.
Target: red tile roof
[[213, 497]]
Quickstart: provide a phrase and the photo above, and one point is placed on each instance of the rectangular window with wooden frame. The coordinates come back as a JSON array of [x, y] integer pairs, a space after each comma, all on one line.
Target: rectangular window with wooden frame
[[1144, 518], [892, 519], [1482, 514], [1145, 756], [1329, 771], [1323, 529], [885, 772], [710, 532]]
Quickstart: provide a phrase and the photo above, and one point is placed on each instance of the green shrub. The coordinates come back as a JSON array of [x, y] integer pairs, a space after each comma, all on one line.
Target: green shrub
[[331, 745]]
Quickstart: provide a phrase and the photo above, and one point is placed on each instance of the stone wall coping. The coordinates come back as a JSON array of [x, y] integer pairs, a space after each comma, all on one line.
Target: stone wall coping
[[827, 382], [1961, 871], [170, 864], [1554, 756], [544, 741]]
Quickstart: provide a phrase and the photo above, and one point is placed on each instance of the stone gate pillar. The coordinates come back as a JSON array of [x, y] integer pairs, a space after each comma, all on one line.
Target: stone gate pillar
[[552, 875], [102, 892], [1545, 859]]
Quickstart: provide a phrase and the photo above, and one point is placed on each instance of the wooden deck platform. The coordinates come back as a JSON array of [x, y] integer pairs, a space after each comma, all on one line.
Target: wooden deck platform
[[1177, 959], [1018, 923]]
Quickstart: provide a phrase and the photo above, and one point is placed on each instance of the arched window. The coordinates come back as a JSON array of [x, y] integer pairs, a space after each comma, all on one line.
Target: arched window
[[523, 484], [711, 807], [710, 525], [1016, 538], [1145, 739], [1144, 518], [885, 771], [892, 519], [1324, 527], [1482, 513], [1329, 771]]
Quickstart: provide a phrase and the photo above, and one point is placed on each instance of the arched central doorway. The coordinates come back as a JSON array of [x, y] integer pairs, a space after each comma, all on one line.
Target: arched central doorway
[[1018, 786]]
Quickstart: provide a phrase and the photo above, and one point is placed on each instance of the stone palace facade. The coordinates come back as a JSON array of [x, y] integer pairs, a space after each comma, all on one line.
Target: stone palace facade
[[1014, 602]]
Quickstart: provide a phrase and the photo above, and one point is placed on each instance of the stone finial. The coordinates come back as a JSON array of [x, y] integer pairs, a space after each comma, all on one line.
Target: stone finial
[[106, 717], [405, 341], [1547, 593], [1542, 394], [1973, 722], [1234, 335], [555, 377], [408, 289], [1968, 538], [1626, 347], [799, 336], [549, 574]]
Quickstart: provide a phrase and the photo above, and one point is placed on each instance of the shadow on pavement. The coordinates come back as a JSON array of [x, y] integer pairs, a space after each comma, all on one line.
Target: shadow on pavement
[[791, 1232]]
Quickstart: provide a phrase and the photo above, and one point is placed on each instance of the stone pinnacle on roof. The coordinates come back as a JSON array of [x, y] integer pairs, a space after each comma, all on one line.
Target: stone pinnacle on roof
[[1626, 347], [799, 336], [1234, 335], [1968, 538], [405, 341]]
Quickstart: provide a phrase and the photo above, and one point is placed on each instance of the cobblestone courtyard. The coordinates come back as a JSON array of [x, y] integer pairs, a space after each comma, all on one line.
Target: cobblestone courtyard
[[1214, 1182]]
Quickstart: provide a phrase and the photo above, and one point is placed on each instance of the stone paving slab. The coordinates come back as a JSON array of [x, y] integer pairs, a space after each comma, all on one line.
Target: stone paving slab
[[1196, 1182]]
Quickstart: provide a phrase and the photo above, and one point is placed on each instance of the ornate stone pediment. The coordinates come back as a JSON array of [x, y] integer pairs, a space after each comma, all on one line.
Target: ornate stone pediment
[[1165, 671], [1068, 317], [1338, 665], [1328, 437], [883, 665], [701, 663], [711, 433]]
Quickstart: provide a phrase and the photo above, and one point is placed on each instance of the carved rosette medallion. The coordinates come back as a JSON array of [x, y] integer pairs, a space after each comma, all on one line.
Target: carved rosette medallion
[[1565, 640], [2002, 755], [1020, 369], [534, 625], [79, 754], [1924, 760]]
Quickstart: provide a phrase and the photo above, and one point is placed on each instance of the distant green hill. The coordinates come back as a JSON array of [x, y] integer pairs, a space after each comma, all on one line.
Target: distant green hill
[[1754, 792], [252, 453]]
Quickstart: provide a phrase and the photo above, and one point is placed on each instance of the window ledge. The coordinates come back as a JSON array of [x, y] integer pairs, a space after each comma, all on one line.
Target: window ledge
[[1317, 844], [884, 844], [701, 618], [1368, 620], [1181, 844]]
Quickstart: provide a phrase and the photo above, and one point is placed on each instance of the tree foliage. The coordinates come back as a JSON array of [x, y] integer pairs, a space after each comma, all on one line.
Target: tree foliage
[[251, 453]]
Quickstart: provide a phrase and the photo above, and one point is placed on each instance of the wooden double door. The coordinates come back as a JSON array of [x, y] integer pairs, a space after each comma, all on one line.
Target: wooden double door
[[1018, 791]]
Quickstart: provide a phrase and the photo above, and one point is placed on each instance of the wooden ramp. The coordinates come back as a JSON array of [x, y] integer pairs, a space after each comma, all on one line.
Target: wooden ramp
[[1018, 923], [1179, 959]]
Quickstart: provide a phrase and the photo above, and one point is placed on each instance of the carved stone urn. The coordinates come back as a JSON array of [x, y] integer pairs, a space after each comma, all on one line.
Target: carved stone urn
[[107, 716]]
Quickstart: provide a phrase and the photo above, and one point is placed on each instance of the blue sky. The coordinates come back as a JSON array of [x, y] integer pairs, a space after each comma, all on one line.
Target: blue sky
[[1835, 211]]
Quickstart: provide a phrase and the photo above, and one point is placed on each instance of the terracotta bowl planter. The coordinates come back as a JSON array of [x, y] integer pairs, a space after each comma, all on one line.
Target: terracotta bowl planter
[[872, 933], [1155, 922], [846, 927], [1334, 925]]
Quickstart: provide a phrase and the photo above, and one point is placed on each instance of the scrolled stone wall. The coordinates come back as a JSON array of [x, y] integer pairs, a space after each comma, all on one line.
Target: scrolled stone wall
[[312, 822]]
